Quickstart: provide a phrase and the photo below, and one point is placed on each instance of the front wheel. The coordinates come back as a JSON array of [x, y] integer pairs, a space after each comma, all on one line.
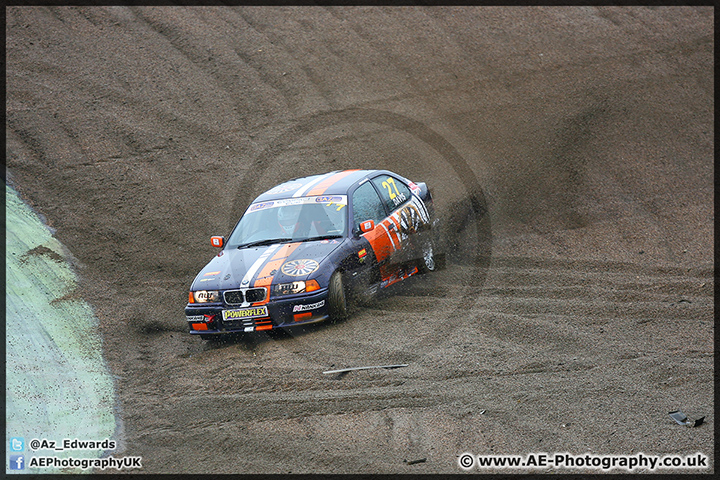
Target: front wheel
[[337, 303]]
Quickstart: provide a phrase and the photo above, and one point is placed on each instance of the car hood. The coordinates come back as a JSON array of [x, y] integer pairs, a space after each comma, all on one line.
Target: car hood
[[255, 266]]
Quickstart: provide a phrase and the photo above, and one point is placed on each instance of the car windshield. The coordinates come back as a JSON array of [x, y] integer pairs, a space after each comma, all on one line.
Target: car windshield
[[291, 219]]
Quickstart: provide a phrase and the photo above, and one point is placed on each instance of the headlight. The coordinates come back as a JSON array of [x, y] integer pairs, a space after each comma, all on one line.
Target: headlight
[[204, 296], [295, 287]]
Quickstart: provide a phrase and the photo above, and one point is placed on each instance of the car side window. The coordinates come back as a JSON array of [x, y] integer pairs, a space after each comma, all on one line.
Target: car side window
[[366, 205], [393, 191]]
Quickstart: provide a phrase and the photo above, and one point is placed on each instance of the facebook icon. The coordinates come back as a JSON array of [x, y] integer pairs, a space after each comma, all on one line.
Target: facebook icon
[[17, 462]]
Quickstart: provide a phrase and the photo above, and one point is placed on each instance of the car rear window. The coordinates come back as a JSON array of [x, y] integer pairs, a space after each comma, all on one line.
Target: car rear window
[[392, 190]]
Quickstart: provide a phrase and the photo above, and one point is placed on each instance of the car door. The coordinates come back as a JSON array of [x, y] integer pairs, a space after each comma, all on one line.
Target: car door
[[367, 205], [407, 216]]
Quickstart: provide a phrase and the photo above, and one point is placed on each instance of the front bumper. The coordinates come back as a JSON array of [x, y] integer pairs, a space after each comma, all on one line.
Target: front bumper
[[280, 313]]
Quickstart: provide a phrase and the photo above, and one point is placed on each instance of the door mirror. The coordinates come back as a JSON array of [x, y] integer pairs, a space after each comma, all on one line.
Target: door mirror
[[367, 226], [216, 241]]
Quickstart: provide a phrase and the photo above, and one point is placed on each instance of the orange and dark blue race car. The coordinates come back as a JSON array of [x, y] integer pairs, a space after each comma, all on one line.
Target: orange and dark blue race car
[[306, 248]]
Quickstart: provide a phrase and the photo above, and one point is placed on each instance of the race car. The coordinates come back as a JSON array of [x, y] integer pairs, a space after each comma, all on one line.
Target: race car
[[306, 248]]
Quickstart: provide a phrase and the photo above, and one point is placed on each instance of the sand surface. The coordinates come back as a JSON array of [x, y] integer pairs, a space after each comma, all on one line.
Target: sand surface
[[570, 153]]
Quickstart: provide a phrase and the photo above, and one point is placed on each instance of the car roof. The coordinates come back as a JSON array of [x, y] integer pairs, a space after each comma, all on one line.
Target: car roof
[[337, 182]]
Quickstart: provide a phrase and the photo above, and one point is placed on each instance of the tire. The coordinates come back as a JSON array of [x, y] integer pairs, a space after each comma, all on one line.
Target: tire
[[337, 303], [427, 262]]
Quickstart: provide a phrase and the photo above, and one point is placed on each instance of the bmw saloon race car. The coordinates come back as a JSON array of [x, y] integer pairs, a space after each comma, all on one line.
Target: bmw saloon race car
[[305, 248]]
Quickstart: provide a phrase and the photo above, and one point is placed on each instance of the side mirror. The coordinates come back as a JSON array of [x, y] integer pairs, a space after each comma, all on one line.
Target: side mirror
[[367, 226], [216, 241]]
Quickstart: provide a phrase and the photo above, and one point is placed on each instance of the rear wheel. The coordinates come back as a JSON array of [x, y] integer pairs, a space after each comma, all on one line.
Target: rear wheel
[[337, 303], [427, 262]]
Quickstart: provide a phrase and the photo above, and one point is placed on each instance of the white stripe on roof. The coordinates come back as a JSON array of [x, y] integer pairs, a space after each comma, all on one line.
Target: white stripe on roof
[[304, 189]]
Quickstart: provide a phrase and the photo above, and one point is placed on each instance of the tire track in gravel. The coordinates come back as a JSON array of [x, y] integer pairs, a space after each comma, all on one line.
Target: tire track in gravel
[[459, 376]]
